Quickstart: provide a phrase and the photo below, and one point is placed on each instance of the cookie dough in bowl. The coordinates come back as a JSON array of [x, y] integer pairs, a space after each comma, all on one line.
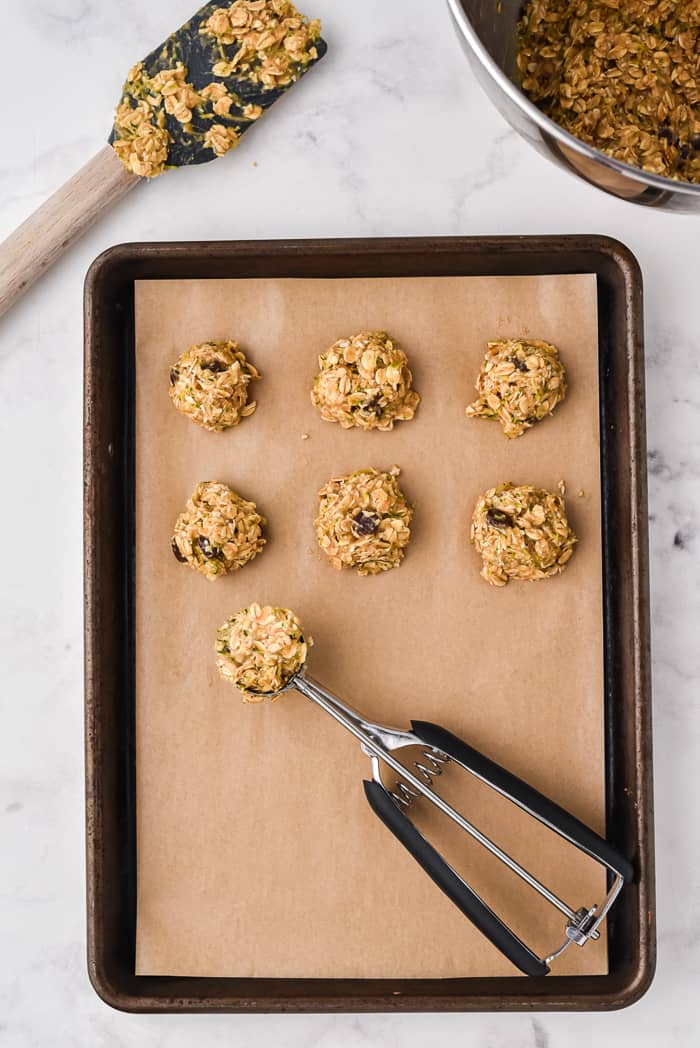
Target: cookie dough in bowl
[[259, 650], [364, 521], [209, 384], [218, 532], [521, 381], [365, 382], [521, 533]]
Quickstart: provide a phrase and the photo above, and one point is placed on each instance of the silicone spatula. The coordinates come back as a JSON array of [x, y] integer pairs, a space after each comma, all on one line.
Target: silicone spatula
[[188, 102]]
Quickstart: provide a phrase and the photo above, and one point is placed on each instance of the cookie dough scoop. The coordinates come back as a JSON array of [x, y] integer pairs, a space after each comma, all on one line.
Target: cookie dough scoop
[[188, 101], [263, 651]]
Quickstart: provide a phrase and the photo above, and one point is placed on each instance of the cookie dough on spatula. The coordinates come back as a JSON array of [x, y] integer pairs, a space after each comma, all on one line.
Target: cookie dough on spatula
[[190, 100]]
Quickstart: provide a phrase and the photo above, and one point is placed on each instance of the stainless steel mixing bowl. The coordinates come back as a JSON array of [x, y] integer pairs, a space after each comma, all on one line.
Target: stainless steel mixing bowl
[[487, 30]]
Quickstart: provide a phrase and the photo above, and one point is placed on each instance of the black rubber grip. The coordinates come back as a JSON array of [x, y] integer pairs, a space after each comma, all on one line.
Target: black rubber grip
[[524, 796], [457, 890]]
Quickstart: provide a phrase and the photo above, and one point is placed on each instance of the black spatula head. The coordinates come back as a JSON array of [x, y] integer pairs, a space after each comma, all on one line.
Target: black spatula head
[[190, 100]]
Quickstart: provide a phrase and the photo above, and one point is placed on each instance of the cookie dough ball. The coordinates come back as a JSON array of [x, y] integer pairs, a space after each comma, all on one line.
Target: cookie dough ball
[[364, 521], [521, 380], [260, 649], [521, 533], [209, 383], [219, 531], [365, 381]]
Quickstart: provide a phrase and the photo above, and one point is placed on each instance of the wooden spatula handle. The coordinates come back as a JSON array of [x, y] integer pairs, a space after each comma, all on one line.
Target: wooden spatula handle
[[37, 243]]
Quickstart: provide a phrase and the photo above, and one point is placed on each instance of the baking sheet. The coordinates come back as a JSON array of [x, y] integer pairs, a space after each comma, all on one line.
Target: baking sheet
[[257, 854]]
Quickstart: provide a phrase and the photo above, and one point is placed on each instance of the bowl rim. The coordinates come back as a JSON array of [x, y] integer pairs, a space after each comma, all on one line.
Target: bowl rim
[[554, 130]]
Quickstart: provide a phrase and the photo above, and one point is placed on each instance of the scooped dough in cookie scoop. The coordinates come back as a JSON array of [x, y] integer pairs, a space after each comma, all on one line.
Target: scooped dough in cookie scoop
[[259, 649], [209, 384]]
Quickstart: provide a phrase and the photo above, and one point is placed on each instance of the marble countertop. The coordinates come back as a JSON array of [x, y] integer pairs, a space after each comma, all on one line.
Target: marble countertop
[[389, 136]]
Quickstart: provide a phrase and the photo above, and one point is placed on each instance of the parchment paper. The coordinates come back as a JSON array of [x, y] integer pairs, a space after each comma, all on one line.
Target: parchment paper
[[257, 852]]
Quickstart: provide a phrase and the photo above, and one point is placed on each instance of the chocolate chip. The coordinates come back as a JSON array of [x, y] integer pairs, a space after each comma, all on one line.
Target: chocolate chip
[[174, 375], [666, 134], [372, 406], [208, 551], [364, 524], [177, 553], [496, 518], [519, 364], [684, 152], [217, 366]]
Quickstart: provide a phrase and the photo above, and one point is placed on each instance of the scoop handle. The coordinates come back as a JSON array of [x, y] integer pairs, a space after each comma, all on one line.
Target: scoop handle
[[59, 222], [525, 796], [449, 881]]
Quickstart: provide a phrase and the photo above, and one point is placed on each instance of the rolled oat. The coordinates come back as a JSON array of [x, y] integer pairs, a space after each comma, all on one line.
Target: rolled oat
[[273, 42]]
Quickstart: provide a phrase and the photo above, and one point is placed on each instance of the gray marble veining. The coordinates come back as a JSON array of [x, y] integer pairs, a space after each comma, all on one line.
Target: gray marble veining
[[389, 136]]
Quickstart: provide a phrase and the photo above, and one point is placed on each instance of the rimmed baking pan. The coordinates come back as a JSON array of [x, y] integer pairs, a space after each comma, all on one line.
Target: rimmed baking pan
[[110, 617]]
